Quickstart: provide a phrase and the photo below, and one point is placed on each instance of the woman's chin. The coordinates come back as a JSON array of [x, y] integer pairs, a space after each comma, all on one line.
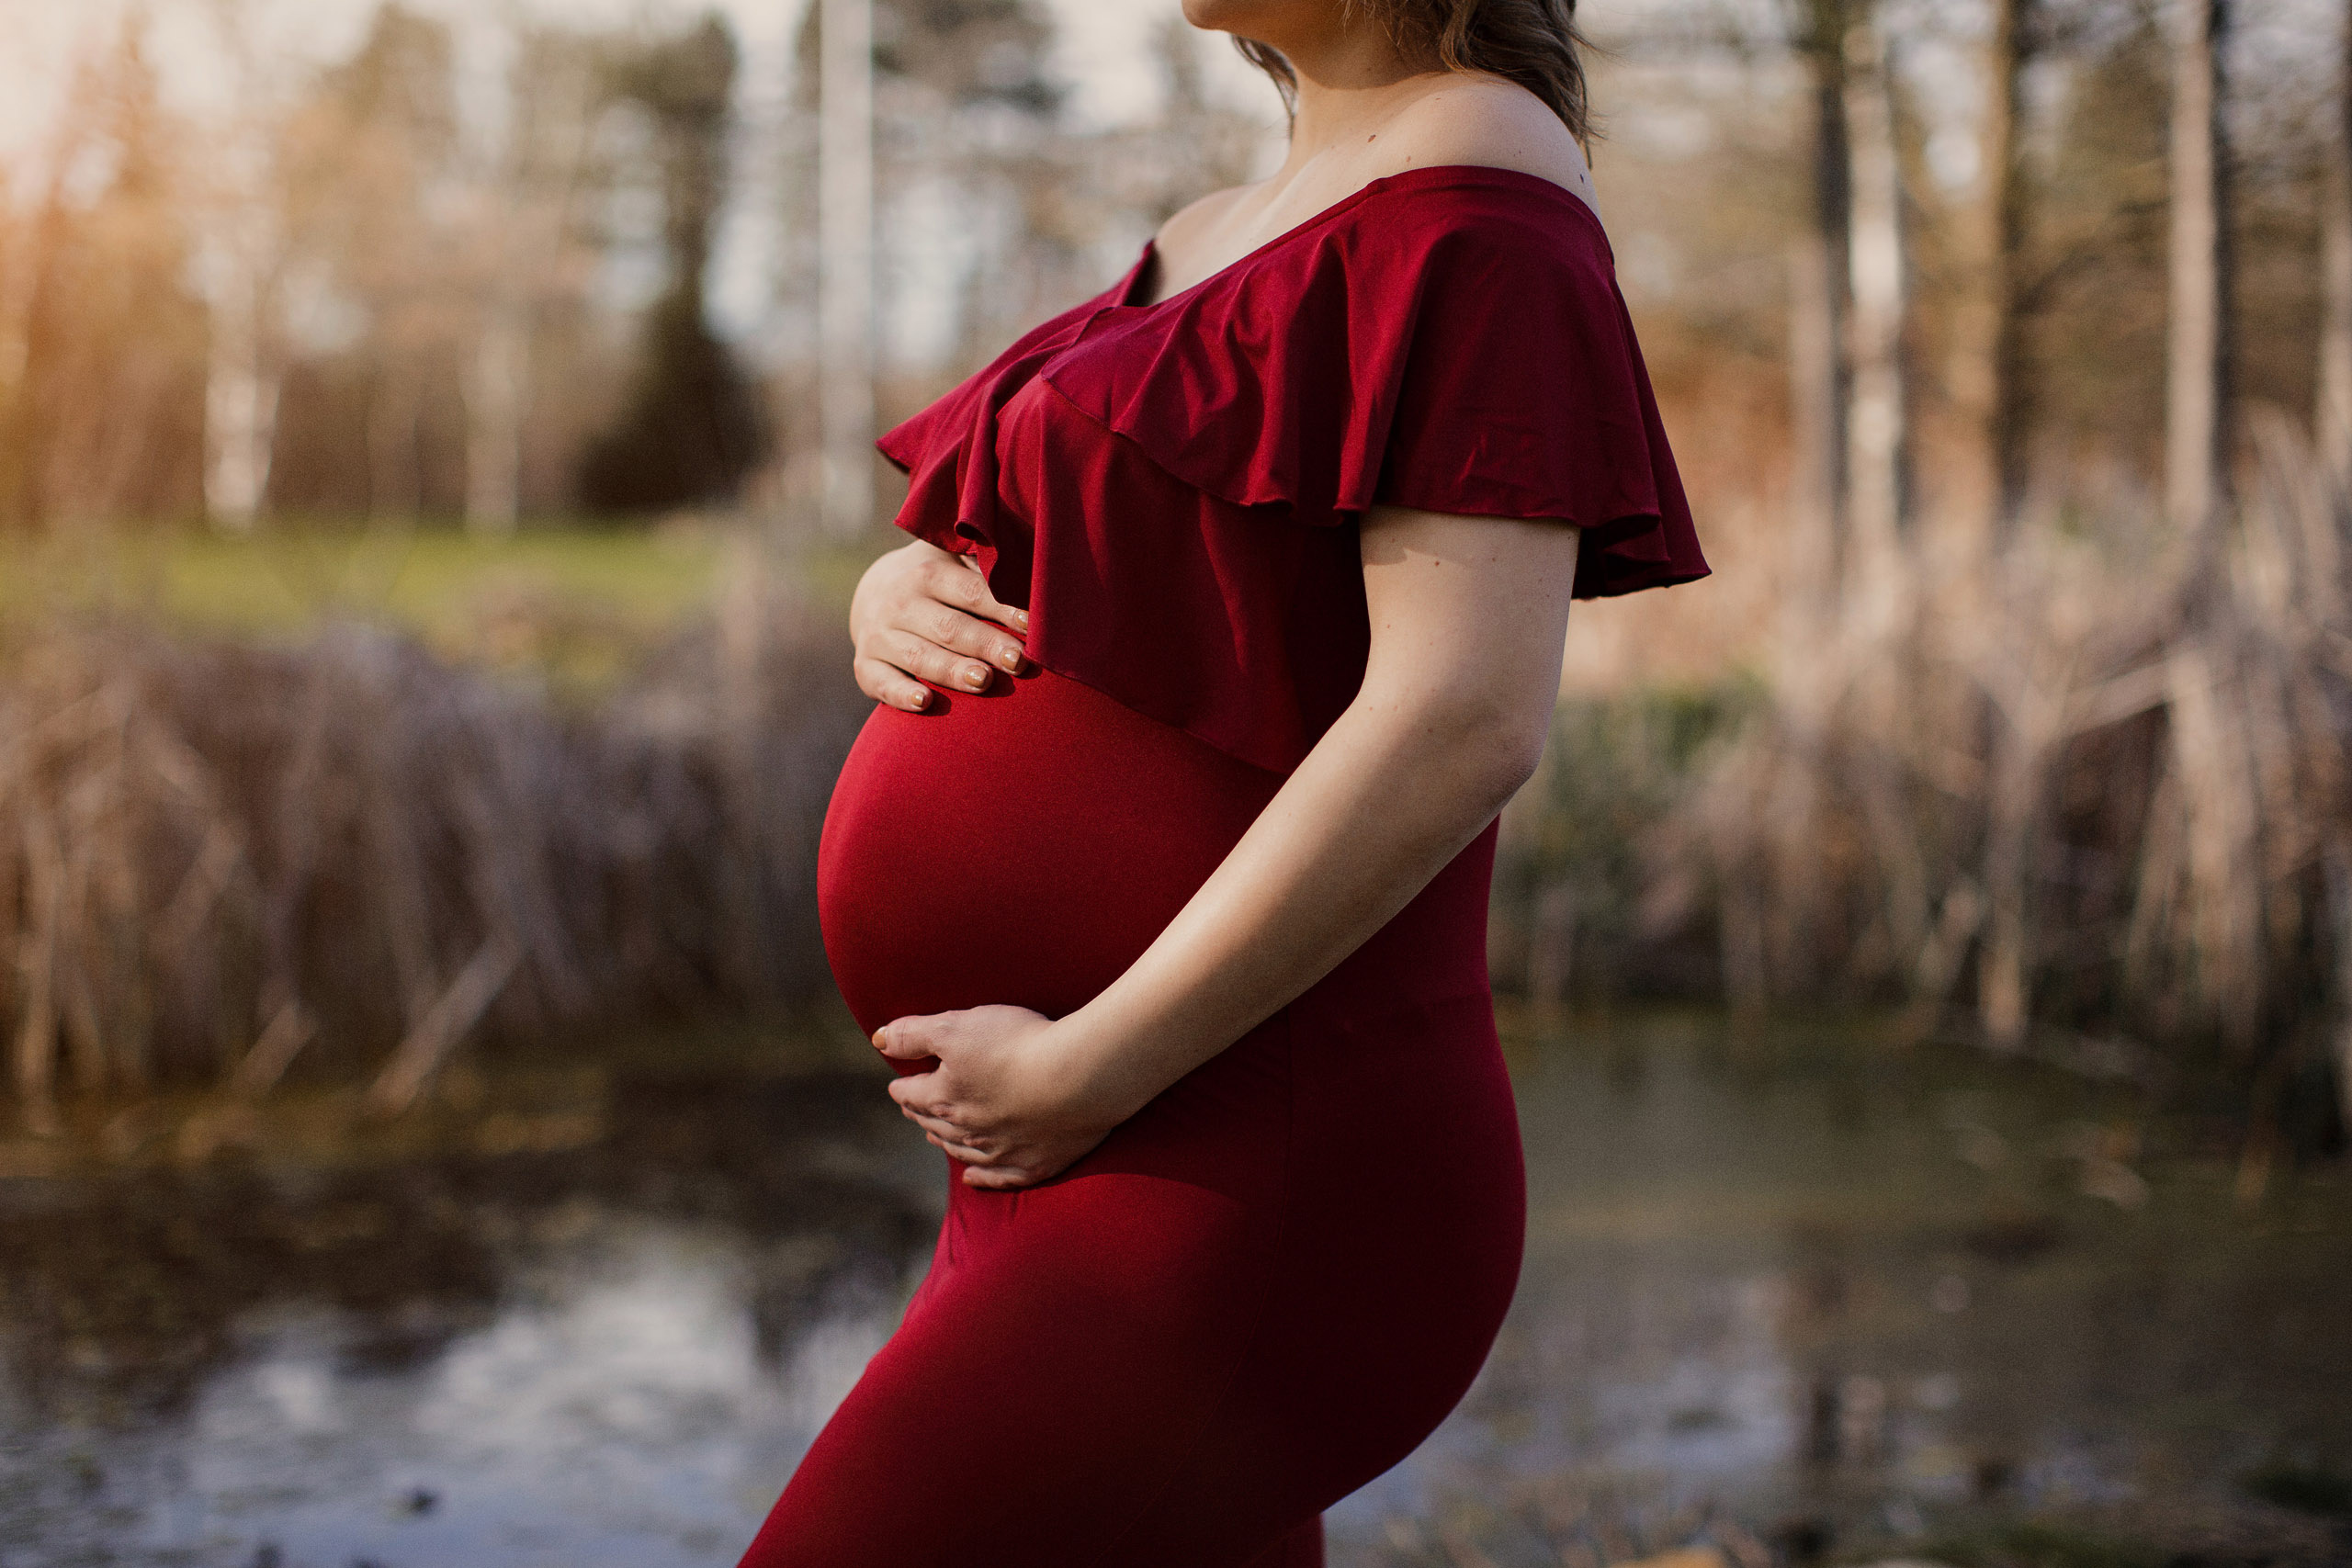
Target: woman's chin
[[1246, 18]]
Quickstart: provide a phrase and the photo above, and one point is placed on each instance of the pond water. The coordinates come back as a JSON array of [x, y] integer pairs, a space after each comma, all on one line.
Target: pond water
[[1800, 1293]]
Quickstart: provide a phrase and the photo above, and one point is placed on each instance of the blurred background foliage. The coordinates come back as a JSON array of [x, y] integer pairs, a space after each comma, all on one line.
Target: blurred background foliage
[[421, 679], [1994, 714]]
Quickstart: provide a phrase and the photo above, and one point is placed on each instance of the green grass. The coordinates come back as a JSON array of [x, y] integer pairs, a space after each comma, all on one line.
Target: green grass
[[2039, 1544], [283, 578], [580, 602]]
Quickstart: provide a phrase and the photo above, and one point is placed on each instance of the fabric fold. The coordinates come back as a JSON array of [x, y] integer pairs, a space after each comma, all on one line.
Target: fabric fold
[[1168, 488], [948, 450]]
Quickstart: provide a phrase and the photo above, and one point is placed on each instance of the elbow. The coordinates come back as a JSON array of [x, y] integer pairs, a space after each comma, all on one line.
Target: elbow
[[1521, 752], [1481, 740], [1494, 751]]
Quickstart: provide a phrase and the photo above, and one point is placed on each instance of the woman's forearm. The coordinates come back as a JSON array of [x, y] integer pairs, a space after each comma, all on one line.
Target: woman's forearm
[[1467, 616], [1391, 793]]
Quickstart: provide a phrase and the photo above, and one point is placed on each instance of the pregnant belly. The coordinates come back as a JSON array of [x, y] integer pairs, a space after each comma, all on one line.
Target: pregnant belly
[[1022, 846]]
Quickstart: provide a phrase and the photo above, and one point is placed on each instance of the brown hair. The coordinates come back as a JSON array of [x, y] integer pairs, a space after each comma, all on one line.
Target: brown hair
[[1532, 42]]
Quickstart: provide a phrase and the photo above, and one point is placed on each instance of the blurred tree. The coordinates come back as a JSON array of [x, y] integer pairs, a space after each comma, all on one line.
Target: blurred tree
[[1819, 263], [969, 51], [2198, 359], [1986, 323], [1878, 410], [962, 112], [2091, 282], [435, 296], [104, 416], [845, 321], [534, 253], [398, 96], [691, 429], [959, 53], [242, 262], [2333, 416], [371, 178]]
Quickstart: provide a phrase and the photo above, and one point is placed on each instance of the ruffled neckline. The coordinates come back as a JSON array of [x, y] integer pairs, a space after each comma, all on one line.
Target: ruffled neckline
[[1428, 177], [1172, 505]]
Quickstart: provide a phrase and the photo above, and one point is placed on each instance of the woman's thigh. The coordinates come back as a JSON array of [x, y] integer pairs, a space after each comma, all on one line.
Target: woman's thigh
[[1253, 1298], [1044, 1388], [1069, 1348]]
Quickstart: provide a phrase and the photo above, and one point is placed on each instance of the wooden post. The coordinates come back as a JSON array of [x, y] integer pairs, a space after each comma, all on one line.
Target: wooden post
[[845, 265], [2197, 368]]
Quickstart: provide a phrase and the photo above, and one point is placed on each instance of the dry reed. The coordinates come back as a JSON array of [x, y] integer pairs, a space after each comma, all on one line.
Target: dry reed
[[212, 856], [2071, 789]]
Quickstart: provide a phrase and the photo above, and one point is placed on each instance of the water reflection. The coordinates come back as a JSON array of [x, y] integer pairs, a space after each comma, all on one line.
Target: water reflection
[[1796, 1296], [609, 1354], [1842, 1299]]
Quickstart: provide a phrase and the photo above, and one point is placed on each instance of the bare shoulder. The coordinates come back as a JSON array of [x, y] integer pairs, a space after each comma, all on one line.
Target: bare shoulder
[[1472, 117], [1198, 218]]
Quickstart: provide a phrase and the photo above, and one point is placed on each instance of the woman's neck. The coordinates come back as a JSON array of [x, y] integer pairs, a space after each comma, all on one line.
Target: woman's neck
[[1352, 79]]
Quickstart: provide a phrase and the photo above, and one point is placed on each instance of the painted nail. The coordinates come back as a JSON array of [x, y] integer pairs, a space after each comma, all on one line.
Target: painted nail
[[922, 699], [1021, 616], [1010, 659], [975, 679]]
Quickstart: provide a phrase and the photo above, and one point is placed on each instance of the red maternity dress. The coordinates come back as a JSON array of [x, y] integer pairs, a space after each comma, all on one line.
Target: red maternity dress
[[1277, 1278]]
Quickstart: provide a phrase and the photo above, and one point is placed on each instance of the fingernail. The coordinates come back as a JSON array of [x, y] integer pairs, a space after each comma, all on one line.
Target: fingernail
[[879, 1042], [1010, 659], [975, 679], [921, 700], [1021, 616]]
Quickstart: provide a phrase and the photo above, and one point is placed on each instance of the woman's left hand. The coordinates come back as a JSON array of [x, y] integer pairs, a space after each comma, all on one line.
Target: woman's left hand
[[1006, 1096]]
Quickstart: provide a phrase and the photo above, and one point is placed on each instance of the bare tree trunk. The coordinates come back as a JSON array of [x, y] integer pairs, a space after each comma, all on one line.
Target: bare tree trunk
[[845, 277], [2333, 423], [1984, 368], [2336, 860], [2004, 972], [1817, 388], [26, 420], [494, 422], [1551, 950], [1876, 416], [1817, 267], [395, 487], [2197, 372], [239, 407]]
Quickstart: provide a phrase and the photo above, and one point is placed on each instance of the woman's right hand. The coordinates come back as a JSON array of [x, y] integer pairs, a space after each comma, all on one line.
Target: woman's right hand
[[921, 614]]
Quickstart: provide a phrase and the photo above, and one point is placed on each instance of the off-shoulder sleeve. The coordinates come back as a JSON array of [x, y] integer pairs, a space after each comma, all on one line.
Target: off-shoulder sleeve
[[1167, 489], [1466, 353], [1521, 392]]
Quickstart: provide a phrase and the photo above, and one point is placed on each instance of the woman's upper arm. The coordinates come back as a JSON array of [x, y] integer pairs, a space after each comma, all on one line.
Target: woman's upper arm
[[1468, 613]]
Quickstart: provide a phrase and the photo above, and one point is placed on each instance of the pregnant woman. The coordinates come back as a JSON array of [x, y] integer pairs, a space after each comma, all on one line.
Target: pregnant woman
[[1235, 615]]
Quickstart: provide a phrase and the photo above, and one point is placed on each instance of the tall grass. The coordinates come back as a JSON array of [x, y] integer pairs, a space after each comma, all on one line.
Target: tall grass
[[2080, 788], [217, 856], [2088, 790]]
